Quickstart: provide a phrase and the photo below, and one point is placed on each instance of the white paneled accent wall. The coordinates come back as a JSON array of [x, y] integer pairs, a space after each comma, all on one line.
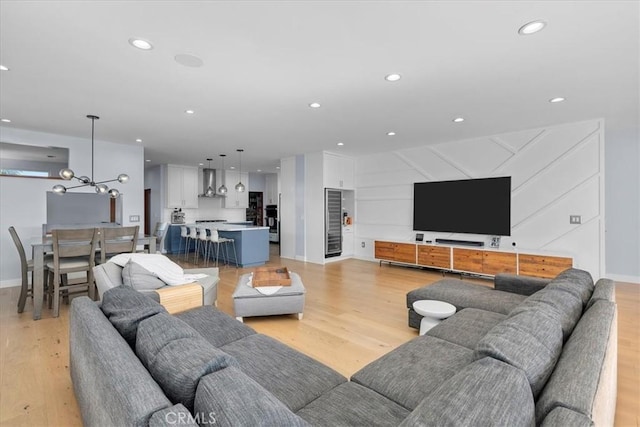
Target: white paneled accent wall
[[556, 172]]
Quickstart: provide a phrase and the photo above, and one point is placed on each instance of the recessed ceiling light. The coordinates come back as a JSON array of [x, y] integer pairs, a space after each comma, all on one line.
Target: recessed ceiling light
[[189, 111], [138, 140], [140, 43], [200, 164], [4, 68], [392, 77], [391, 134], [458, 120], [232, 167], [531, 28], [259, 170], [277, 167], [5, 120], [314, 105], [340, 144], [558, 99], [148, 160], [188, 60]]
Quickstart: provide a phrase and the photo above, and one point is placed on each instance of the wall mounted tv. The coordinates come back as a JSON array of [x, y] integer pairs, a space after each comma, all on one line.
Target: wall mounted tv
[[478, 206]]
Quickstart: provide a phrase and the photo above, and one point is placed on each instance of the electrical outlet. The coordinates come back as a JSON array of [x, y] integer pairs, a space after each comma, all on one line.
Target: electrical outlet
[[134, 218], [575, 219]]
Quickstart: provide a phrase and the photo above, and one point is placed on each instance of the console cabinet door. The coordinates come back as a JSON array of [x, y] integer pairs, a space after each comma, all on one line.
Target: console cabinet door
[[399, 252], [434, 256], [499, 262], [542, 266], [467, 260]]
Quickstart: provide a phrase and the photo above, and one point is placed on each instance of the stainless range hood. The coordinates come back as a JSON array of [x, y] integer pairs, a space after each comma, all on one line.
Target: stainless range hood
[[209, 184]]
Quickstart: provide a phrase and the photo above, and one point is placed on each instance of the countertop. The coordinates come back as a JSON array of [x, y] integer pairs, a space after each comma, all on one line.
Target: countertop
[[221, 226]]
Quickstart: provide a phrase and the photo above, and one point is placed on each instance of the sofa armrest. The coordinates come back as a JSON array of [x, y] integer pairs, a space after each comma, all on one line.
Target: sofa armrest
[[523, 285], [181, 297]]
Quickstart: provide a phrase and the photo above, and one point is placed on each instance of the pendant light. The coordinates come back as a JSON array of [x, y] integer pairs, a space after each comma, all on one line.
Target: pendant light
[[209, 192], [223, 188], [240, 186], [68, 174]]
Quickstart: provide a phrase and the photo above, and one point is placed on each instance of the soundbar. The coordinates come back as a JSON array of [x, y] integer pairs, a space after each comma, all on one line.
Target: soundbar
[[459, 242]]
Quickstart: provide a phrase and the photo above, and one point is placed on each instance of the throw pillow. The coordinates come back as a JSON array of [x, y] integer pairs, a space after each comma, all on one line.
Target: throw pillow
[[139, 278], [177, 356], [126, 308]]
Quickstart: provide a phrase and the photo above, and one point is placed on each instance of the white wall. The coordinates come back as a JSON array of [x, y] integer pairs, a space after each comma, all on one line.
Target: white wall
[[289, 221], [556, 172], [23, 200]]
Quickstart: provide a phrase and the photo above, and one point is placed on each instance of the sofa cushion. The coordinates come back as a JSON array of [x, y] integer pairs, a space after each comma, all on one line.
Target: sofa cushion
[[292, 377], [529, 341], [605, 289], [486, 392], [563, 417], [125, 308], [466, 295], [230, 398], [215, 326], [466, 327], [558, 304], [412, 371], [177, 356], [137, 277], [578, 282], [575, 380], [351, 404], [174, 415]]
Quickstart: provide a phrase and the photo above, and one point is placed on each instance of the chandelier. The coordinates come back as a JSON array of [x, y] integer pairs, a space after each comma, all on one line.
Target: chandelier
[[68, 174]]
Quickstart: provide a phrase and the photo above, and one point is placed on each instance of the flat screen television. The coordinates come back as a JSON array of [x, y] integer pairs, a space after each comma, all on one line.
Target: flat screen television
[[477, 206]]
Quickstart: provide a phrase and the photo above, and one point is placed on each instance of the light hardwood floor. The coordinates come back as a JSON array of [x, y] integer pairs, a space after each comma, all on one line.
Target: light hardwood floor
[[355, 312]]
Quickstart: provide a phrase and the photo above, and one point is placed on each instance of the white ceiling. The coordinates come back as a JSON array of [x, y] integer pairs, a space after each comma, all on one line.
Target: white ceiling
[[265, 61]]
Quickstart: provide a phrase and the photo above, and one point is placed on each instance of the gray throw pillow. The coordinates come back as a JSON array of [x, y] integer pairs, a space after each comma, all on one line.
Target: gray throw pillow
[[177, 356], [126, 308], [139, 278]]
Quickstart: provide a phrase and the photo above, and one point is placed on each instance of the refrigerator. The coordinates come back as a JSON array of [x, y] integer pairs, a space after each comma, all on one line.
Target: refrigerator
[[332, 223]]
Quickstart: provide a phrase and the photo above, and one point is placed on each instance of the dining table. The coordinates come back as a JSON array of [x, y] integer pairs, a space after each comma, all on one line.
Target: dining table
[[41, 245]]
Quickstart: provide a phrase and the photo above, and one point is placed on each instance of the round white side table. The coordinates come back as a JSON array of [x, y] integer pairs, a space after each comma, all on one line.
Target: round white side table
[[433, 311]]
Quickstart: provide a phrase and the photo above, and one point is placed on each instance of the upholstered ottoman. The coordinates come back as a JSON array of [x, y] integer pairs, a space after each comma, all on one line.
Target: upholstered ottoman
[[268, 301]]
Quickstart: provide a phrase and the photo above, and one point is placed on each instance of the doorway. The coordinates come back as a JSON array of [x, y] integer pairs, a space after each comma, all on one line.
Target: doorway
[[147, 211]]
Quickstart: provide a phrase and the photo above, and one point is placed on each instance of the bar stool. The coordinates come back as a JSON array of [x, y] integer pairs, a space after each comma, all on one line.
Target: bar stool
[[192, 235], [215, 239], [226, 241], [184, 235], [202, 242]]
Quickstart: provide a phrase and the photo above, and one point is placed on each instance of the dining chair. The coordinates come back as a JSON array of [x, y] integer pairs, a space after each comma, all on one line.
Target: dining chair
[[74, 250], [117, 240], [160, 232], [184, 236], [26, 267], [216, 240], [192, 236]]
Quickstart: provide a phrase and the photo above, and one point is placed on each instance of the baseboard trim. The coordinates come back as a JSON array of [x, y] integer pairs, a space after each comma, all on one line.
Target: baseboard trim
[[623, 278], [10, 283]]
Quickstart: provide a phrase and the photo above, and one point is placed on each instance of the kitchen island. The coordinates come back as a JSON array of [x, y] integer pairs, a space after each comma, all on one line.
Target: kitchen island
[[252, 242]]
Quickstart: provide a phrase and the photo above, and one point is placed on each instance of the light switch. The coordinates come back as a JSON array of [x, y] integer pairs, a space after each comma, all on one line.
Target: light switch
[[575, 219], [134, 218]]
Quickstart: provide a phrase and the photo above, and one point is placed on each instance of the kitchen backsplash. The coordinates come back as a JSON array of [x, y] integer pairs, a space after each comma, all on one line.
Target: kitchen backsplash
[[208, 209]]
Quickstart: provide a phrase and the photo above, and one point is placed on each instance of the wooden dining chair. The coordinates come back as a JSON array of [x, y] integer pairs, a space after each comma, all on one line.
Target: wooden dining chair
[[26, 267], [117, 240], [74, 251]]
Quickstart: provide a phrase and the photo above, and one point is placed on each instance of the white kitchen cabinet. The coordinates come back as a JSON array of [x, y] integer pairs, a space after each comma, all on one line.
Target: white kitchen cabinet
[[182, 186], [271, 190], [338, 171], [234, 199]]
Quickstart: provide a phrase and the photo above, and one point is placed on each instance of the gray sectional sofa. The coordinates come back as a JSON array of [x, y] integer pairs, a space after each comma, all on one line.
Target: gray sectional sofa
[[549, 360]]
